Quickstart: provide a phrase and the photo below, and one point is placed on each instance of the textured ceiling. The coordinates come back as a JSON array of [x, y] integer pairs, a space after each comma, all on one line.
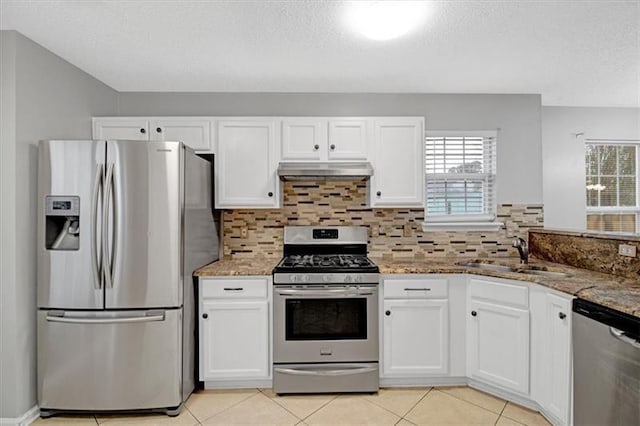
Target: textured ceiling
[[580, 53]]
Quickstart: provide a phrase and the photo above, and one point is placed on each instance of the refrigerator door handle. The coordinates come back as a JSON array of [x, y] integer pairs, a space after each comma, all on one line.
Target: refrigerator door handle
[[116, 320], [107, 260], [95, 262]]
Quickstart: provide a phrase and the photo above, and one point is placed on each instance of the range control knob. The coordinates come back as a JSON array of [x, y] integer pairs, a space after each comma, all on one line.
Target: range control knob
[[294, 278], [304, 278], [357, 279], [326, 278], [347, 279]]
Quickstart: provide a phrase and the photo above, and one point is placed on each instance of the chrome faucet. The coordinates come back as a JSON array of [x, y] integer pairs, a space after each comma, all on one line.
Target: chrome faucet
[[523, 249]]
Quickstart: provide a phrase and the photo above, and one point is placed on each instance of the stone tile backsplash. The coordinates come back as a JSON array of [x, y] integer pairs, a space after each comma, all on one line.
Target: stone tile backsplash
[[394, 233]]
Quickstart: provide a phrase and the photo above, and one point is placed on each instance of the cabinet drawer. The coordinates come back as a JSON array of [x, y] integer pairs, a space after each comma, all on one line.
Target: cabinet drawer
[[501, 292], [242, 288], [415, 288]]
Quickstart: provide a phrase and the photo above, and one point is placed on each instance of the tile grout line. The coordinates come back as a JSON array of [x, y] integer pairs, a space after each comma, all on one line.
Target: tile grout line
[[380, 406], [476, 405], [294, 415], [395, 414], [229, 407], [414, 405], [501, 411]]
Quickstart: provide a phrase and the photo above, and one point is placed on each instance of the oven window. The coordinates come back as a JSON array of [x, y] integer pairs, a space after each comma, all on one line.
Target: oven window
[[326, 319]]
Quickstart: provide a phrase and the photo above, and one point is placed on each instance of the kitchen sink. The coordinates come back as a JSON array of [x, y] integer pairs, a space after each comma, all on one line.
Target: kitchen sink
[[548, 274], [522, 269], [488, 266]]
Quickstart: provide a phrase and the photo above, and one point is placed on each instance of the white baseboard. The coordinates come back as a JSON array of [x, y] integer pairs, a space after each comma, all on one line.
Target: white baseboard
[[394, 382], [24, 420], [238, 384]]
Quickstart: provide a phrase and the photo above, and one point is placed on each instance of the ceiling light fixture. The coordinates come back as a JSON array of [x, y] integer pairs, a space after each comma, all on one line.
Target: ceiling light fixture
[[387, 19]]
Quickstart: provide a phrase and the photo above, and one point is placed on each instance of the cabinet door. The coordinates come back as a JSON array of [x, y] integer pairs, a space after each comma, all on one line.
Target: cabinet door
[[498, 345], [235, 340], [193, 132], [416, 337], [398, 163], [347, 139], [133, 129], [246, 161], [304, 139], [557, 365]]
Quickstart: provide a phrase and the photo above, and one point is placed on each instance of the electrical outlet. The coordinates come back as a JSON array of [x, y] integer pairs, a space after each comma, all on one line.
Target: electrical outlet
[[627, 250], [406, 230], [243, 232]]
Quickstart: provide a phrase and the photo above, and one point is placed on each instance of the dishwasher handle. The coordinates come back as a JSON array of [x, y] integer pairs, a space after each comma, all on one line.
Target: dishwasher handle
[[620, 335]]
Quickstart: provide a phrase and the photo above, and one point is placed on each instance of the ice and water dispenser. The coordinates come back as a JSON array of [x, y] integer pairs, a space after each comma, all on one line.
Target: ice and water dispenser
[[62, 226]]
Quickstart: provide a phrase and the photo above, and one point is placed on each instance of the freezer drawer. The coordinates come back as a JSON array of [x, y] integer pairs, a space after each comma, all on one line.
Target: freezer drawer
[[121, 360]]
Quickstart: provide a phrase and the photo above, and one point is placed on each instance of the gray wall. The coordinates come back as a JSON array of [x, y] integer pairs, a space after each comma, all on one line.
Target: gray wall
[[563, 156], [47, 98], [517, 116]]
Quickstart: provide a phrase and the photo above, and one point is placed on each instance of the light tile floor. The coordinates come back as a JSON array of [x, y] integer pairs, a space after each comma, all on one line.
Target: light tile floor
[[404, 406]]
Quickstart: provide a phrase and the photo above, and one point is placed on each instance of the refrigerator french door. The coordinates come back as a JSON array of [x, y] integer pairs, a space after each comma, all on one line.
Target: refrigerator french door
[[111, 275]]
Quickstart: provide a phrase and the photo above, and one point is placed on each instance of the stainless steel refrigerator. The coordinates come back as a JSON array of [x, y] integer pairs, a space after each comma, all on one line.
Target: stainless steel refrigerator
[[121, 227]]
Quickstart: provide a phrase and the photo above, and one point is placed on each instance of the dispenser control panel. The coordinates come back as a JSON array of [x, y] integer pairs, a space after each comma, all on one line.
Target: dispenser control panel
[[62, 205]]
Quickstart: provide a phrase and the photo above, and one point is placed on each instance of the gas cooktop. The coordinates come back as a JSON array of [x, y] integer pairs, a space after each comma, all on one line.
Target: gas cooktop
[[326, 263], [325, 255]]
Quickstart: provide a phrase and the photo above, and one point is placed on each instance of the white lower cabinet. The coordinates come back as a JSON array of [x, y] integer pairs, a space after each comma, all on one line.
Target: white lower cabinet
[[416, 337], [415, 334], [234, 330], [498, 333], [556, 360]]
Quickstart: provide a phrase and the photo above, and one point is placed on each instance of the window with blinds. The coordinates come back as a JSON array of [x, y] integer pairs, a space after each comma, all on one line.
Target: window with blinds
[[460, 177], [613, 190]]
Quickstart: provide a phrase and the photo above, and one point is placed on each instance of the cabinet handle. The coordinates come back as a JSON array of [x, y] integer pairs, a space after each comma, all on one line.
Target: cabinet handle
[[159, 129], [205, 316], [474, 313], [143, 131], [379, 193], [316, 147], [387, 313], [417, 289], [332, 147], [270, 194], [233, 289], [562, 315]]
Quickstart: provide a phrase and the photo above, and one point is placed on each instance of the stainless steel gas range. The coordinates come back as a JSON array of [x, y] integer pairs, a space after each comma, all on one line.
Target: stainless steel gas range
[[325, 326]]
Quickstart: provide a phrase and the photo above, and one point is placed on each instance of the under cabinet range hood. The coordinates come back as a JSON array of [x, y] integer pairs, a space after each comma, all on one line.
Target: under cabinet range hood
[[325, 170]]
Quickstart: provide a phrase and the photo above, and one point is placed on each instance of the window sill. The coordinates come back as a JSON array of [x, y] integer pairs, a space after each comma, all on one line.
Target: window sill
[[461, 226]]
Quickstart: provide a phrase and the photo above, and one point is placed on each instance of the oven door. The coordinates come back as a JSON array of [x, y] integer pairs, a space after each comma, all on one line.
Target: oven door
[[325, 324]]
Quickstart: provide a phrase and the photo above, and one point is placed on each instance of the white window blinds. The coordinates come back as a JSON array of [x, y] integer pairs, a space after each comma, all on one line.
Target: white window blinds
[[460, 177]]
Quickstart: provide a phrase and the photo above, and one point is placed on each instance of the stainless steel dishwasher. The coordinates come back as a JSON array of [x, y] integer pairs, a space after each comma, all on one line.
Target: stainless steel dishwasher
[[606, 366]]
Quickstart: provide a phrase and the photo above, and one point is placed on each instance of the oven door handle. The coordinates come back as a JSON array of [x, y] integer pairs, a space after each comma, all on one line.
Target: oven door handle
[[328, 292], [341, 372]]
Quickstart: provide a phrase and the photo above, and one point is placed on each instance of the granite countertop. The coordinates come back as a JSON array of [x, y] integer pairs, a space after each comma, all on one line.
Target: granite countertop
[[228, 267], [616, 292], [613, 291]]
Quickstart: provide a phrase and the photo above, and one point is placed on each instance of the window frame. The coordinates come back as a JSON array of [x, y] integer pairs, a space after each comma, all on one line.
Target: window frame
[[479, 222], [615, 209]]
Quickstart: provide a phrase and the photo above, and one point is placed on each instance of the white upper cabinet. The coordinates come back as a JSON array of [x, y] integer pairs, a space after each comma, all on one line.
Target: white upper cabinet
[[398, 163], [321, 139], [193, 132], [348, 139], [246, 161], [304, 139], [123, 128]]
